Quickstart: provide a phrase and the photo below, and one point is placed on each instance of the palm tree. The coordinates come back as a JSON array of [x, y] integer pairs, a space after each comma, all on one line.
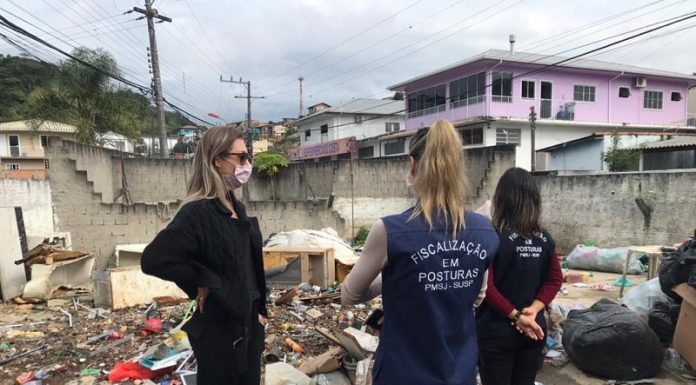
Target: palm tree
[[88, 99]]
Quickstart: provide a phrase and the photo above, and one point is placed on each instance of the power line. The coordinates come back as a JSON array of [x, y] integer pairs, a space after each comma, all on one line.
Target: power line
[[417, 49], [198, 89], [177, 108], [560, 62], [684, 18], [145, 90], [310, 60], [206, 34], [125, 69], [584, 27], [594, 33], [136, 57], [362, 50]]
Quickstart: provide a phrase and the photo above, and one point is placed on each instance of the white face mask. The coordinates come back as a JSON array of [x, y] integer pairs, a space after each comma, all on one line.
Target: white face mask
[[239, 178], [409, 180]]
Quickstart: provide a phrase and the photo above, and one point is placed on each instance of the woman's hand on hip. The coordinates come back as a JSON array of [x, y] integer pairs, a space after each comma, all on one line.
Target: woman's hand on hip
[[201, 297]]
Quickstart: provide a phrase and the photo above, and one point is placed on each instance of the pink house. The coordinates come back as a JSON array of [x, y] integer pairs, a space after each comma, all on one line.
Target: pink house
[[489, 98]]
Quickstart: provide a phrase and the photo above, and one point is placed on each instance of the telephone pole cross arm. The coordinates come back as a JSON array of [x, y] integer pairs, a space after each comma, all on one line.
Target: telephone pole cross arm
[[248, 97]]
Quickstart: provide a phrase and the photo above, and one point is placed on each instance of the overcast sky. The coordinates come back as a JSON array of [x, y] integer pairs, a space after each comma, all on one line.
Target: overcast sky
[[344, 49]]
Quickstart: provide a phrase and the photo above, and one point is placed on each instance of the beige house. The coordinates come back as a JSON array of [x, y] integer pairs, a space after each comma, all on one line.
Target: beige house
[[260, 146], [22, 146]]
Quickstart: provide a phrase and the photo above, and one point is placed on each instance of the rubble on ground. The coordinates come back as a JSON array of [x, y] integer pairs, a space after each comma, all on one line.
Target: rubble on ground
[[310, 338]]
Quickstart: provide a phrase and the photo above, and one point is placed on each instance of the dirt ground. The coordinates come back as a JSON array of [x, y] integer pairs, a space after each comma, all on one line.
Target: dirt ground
[[287, 321]]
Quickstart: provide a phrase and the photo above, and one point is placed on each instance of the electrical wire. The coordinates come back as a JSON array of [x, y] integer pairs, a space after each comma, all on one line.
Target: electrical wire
[[368, 29], [365, 49], [145, 90], [559, 63], [401, 50]]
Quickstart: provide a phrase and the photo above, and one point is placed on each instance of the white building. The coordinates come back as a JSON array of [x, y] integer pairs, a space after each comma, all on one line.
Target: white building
[[357, 120], [115, 141], [152, 145]]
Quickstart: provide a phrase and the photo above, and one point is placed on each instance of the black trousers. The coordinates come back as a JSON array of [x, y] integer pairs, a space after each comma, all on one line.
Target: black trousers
[[221, 361], [510, 360]]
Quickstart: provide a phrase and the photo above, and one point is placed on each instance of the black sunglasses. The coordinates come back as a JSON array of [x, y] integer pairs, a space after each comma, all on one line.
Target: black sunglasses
[[243, 156]]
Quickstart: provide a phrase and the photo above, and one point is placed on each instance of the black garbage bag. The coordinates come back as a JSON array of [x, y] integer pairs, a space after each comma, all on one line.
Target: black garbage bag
[[611, 341], [678, 267], [670, 276], [662, 319]]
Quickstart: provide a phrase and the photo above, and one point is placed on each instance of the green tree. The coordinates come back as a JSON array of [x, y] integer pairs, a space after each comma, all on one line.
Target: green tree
[[398, 95], [88, 99], [19, 76], [183, 148], [269, 163], [621, 159]]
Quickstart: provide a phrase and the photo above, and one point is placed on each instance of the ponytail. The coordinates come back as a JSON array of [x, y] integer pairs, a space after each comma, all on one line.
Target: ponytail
[[439, 182]]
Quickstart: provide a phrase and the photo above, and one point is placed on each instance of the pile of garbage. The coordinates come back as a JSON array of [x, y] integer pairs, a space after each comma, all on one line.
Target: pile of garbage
[[68, 341], [56, 271], [601, 340], [312, 339]]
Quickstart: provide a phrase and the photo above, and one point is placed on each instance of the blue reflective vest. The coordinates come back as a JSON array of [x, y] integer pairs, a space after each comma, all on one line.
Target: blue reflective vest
[[429, 286]]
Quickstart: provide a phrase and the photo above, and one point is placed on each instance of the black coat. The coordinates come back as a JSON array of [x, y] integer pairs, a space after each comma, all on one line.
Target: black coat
[[204, 247]]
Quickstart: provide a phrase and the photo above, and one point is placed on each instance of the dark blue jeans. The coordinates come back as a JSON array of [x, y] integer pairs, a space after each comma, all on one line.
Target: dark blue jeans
[[509, 360]]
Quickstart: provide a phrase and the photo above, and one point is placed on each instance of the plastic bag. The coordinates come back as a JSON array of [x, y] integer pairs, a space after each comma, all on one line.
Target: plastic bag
[[611, 341], [608, 260], [643, 297], [678, 267], [662, 319]]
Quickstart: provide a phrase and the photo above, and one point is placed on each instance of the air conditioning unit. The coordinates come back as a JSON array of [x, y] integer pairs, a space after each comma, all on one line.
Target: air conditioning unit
[[641, 82], [358, 118]]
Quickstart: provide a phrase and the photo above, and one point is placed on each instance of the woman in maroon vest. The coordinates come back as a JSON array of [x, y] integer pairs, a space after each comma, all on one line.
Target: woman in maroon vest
[[525, 277]]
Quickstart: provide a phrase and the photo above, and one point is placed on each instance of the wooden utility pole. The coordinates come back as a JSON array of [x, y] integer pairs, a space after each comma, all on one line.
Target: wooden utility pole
[[150, 14], [248, 97]]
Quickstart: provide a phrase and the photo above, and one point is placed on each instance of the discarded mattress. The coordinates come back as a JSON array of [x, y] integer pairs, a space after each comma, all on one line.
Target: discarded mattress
[[324, 238]]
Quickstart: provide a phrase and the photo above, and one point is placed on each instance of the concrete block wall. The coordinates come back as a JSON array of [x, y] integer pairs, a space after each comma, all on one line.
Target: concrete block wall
[[277, 216], [96, 226], [34, 197], [96, 163], [602, 208], [85, 179], [155, 180], [377, 179]]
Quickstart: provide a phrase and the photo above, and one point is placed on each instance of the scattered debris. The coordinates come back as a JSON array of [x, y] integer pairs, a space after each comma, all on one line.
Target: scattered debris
[[281, 373]]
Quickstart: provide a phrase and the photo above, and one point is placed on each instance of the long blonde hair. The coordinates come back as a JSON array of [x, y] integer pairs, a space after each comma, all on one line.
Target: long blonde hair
[[206, 182], [439, 174]]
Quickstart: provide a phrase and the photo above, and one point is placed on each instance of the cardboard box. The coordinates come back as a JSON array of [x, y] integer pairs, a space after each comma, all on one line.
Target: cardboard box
[[685, 335]]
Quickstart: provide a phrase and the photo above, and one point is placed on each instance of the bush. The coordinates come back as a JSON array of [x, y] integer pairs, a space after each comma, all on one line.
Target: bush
[[361, 236]]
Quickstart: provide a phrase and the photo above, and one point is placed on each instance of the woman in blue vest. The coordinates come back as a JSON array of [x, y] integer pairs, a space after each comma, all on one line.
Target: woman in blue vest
[[524, 278], [433, 260]]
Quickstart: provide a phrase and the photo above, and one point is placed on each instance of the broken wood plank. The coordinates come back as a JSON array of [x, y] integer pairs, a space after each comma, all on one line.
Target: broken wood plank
[[327, 333]]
